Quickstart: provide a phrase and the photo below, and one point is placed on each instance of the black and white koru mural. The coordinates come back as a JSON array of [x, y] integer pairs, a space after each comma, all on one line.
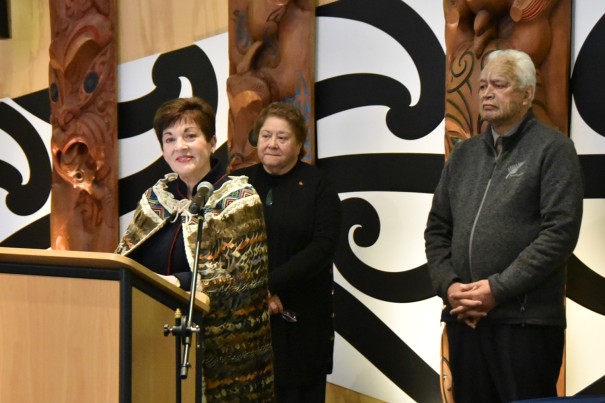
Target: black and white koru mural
[[379, 111]]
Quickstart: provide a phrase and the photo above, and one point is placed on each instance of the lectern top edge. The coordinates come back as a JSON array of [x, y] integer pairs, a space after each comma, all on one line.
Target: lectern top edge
[[103, 260]]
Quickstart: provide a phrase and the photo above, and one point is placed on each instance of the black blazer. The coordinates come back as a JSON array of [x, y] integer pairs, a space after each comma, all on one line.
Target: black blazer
[[303, 216]]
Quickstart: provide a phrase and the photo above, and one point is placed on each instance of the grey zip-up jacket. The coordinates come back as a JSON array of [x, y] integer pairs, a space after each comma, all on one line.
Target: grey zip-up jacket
[[513, 220]]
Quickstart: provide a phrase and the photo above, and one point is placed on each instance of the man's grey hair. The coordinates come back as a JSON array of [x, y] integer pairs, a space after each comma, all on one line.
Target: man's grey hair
[[516, 63]]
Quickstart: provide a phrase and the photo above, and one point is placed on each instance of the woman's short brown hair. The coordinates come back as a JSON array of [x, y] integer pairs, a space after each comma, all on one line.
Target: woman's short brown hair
[[176, 110], [290, 114]]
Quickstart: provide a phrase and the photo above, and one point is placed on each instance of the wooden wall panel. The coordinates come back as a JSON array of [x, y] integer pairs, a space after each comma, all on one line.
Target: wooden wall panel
[[150, 26], [24, 61], [145, 27]]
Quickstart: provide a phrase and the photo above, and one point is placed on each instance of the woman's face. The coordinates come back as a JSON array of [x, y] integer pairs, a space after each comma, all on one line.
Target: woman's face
[[186, 150], [277, 146]]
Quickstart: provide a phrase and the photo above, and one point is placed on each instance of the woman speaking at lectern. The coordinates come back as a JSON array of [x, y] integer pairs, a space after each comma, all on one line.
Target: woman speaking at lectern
[[237, 356]]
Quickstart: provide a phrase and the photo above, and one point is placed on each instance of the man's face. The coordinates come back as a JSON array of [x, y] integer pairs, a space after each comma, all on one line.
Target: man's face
[[501, 103]]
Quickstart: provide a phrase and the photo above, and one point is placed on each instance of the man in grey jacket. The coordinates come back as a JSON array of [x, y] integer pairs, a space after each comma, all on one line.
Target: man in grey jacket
[[505, 218]]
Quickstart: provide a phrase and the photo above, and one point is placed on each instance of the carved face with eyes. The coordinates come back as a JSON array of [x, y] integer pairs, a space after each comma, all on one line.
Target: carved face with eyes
[[84, 126], [81, 92]]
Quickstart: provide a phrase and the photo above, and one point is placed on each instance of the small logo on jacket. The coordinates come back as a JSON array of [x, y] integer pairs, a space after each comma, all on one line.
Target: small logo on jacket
[[513, 170]]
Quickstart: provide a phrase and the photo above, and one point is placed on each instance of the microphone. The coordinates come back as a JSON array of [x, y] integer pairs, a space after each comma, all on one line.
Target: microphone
[[202, 194]]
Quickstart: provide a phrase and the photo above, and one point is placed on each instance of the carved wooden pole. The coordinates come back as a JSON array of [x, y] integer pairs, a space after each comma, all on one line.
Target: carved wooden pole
[[82, 90], [271, 58], [473, 29]]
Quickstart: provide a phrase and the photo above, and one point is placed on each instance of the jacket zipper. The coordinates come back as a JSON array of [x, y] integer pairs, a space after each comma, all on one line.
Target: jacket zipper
[[470, 245]]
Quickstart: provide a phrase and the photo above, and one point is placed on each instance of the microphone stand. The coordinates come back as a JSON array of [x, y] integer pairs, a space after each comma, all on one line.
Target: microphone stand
[[184, 327], [177, 322], [191, 327]]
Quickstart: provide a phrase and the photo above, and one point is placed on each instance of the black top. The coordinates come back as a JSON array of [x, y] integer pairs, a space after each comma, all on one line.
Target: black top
[[302, 214], [164, 251]]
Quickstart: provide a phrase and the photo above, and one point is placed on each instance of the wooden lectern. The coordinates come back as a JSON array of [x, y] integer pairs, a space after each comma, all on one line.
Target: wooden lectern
[[89, 327]]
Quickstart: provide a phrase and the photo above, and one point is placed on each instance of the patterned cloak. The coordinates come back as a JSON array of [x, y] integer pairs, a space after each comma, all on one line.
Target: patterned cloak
[[233, 267]]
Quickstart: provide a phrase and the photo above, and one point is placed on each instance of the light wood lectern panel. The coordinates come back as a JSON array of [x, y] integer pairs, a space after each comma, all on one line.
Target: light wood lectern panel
[[88, 327]]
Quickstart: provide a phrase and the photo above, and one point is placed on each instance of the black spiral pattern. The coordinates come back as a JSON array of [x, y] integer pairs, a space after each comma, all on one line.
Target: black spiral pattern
[[403, 172]]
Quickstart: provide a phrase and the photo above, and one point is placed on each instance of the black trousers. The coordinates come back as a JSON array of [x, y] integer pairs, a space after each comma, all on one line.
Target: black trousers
[[502, 363]]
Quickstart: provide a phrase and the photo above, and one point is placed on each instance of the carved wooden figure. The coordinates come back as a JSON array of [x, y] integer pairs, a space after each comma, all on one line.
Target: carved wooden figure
[[474, 28], [84, 214], [271, 55]]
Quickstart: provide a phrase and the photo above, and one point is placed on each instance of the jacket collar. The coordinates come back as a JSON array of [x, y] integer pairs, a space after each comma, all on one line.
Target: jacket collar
[[514, 137]]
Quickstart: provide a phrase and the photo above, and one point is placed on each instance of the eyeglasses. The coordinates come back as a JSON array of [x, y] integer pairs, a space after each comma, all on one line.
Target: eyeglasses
[[289, 316]]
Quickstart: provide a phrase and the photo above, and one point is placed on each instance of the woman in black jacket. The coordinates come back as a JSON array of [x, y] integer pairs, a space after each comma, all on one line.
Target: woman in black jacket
[[302, 215]]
